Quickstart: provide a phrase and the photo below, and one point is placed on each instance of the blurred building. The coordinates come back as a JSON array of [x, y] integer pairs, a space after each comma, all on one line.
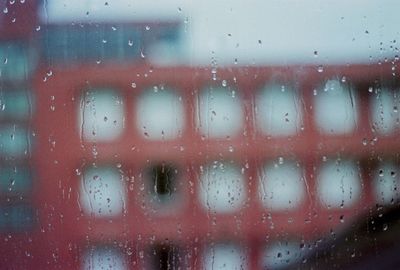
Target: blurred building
[[175, 135]]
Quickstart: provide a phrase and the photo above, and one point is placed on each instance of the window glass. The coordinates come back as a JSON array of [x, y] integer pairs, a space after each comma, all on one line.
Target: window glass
[[225, 256], [102, 192], [15, 180], [336, 108], [14, 141], [160, 114], [222, 187], [282, 185], [101, 115], [339, 184], [279, 110], [15, 104], [219, 112], [385, 106], [14, 61], [206, 134]]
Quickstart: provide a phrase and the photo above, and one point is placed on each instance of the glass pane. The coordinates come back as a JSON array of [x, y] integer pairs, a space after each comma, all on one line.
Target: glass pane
[[336, 108], [207, 134], [219, 112], [101, 115], [222, 187], [102, 192], [160, 114], [279, 111]]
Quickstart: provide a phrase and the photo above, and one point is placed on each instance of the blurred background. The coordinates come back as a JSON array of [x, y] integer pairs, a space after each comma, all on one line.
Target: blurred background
[[199, 135]]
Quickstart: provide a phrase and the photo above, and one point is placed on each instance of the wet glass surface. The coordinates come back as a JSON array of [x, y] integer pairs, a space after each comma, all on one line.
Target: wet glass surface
[[199, 135]]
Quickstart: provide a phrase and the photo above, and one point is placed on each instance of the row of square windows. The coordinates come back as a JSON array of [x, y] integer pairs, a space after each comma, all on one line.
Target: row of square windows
[[219, 255], [160, 114], [21, 218], [222, 187]]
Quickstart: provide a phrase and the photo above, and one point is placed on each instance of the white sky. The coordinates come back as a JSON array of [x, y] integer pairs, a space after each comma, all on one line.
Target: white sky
[[258, 31]]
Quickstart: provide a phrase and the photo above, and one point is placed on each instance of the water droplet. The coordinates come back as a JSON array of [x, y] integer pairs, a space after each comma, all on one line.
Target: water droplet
[[320, 69], [342, 219], [280, 160], [364, 141]]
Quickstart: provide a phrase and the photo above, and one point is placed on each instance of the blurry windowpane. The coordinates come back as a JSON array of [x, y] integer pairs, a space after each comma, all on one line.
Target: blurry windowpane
[[222, 187], [102, 192], [181, 134], [280, 255], [15, 104], [279, 111], [339, 184], [336, 108], [101, 115], [90, 42], [14, 61], [281, 186], [166, 256], [100, 258], [225, 256], [385, 110], [219, 112], [16, 218], [14, 141], [160, 114], [386, 180], [15, 180]]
